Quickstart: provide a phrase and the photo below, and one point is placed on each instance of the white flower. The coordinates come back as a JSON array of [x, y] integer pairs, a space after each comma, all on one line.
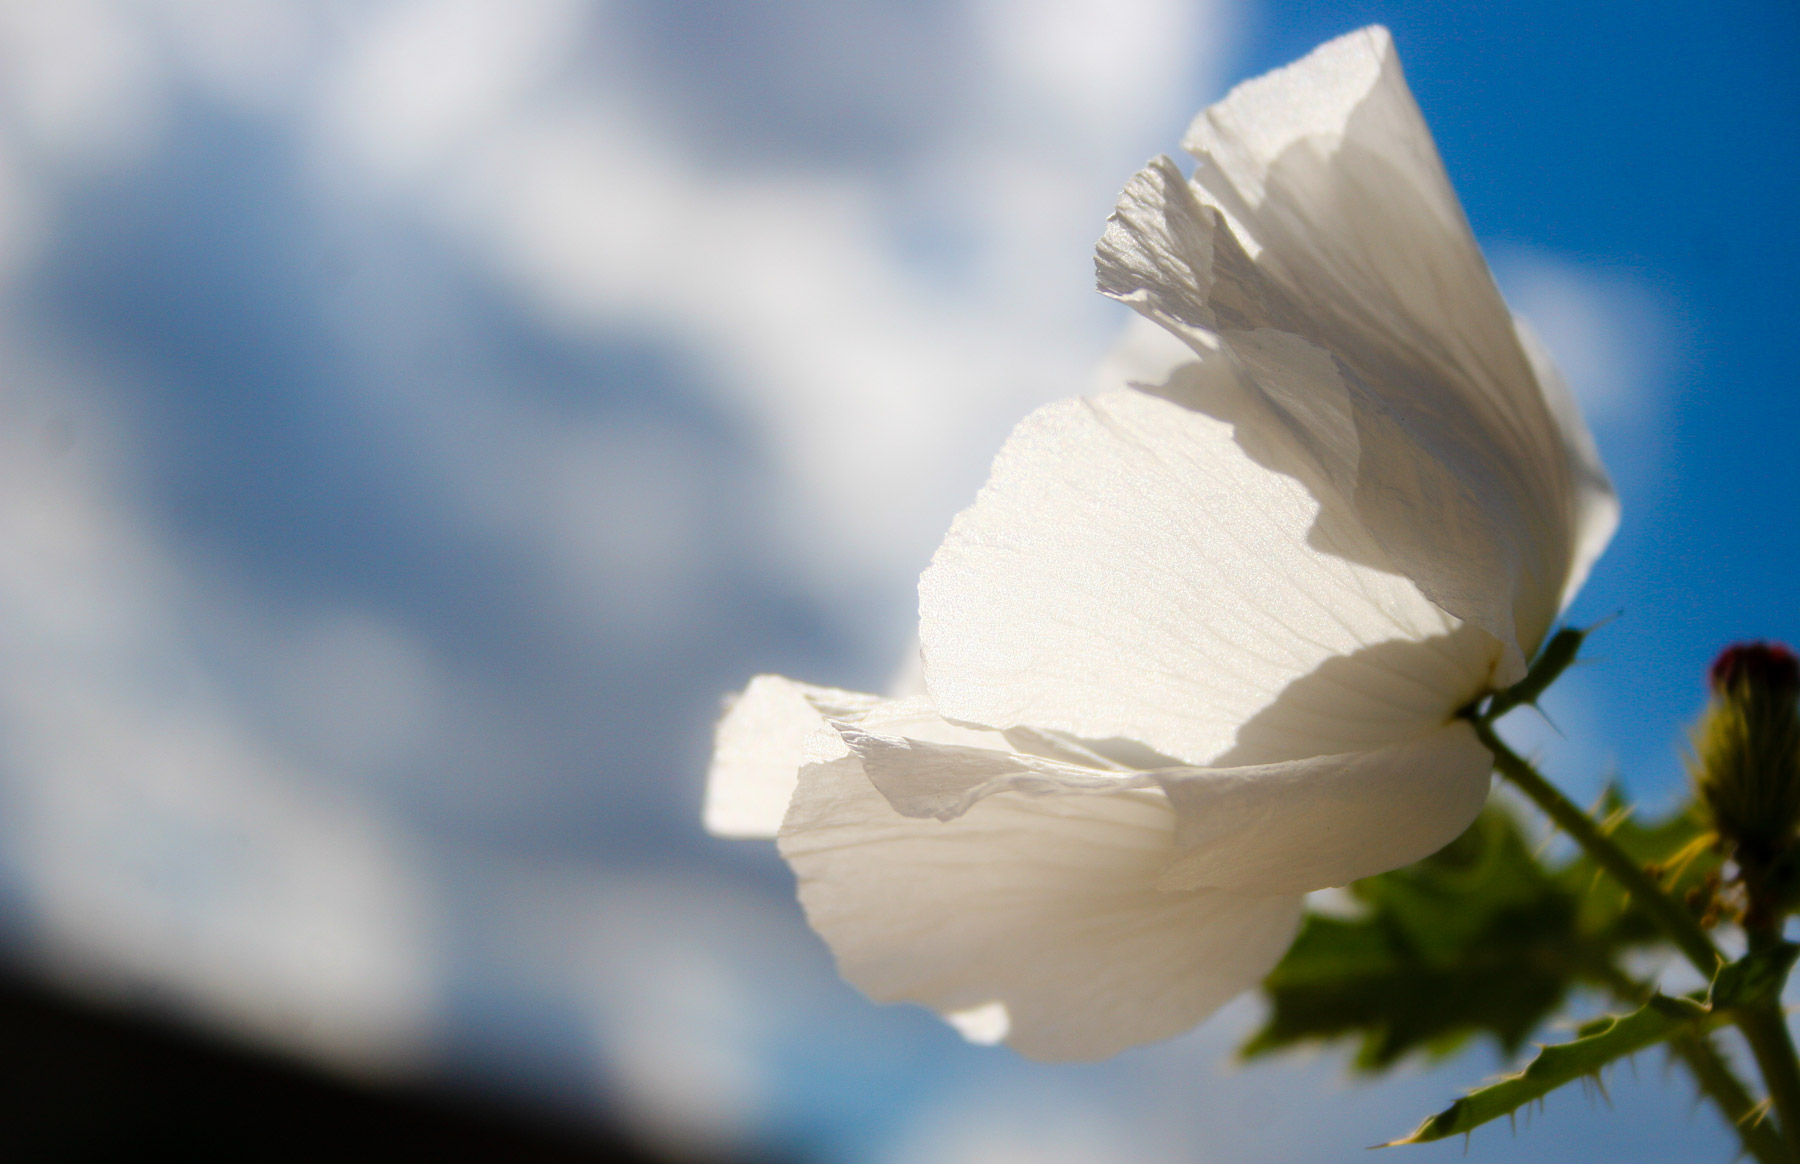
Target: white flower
[[1199, 646]]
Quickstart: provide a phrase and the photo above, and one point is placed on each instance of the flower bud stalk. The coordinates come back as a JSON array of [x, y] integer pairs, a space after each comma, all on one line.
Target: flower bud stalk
[[1747, 771]]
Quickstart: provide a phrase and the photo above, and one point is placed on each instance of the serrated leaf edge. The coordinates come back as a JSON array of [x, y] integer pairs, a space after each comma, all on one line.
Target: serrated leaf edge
[[1561, 1063]]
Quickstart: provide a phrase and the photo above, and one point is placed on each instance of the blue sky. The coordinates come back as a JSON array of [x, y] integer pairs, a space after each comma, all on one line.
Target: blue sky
[[418, 415]]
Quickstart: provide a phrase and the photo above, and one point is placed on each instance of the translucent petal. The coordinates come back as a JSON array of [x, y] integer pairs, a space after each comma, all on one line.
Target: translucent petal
[[1038, 916], [1288, 827], [1308, 824], [1321, 246], [943, 781], [1163, 569], [757, 752]]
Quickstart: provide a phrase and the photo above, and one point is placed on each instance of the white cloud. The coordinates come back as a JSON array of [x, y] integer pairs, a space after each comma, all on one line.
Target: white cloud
[[879, 386], [682, 1014], [1610, 336], [419, 81], [82, 79], [622, 513], [1031, 1129], [167, 838], [365, 694], [252, 53], [1105, 67], [159, 844]]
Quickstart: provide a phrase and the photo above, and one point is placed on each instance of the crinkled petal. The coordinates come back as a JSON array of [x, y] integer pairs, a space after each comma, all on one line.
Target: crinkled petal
[[1163, 569], [923, 779], [1281, 828], [757, 752], [1321, 245], [1038, 917], [1308, 824]]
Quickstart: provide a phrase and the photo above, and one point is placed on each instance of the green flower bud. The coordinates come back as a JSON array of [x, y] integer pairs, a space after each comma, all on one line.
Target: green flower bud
[[1747, 753]]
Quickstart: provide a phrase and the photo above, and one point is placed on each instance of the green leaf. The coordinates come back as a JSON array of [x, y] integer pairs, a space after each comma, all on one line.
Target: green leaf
[[1754, 978], [1484, 938], [1601, 1042], [1471, 940]]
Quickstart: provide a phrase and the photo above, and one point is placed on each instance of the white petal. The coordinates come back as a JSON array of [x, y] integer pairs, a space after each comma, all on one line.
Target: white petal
[[1596, 504], [775, 726], [982, 1025], [1308, 824], [1163, 570], [1281, 828], [924, 779], [915, 718], [1046, 907], [1350, 289], [757, 752], [1328, 172]]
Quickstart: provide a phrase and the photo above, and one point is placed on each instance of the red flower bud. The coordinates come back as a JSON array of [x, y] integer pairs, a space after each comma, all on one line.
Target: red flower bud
[[1747, 754], [1769, 667]]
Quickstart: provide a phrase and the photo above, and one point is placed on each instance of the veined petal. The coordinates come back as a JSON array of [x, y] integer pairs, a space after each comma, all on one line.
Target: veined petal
[[757, 751], [1307, 824], [775, 726], [1163, 568], [1037, 916], [1280, 828], [1320, 244], [943, 781]]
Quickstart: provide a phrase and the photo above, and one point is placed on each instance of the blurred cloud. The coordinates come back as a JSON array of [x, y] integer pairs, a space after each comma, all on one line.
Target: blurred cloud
[[373, 694], [1619, 344], [156, 842], [1104, 68], [876, 380], [404, 399], [416, 414], [1076, 1130], [82, 80], [1614, 340]]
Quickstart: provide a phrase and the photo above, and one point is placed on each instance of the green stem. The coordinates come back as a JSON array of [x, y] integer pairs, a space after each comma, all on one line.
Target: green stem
[[1719, 1083], [1765, 1029], [1668, 913], [1713, 1075], [1763, 1023]]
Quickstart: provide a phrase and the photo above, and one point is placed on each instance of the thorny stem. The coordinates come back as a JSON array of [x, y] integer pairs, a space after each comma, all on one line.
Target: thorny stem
[[1719, 1083], [1765, 1028], [1714, 1076], [1668, 914], [1763, 1023]]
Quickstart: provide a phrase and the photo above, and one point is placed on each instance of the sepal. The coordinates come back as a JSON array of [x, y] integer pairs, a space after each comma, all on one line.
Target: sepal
[[1555, 658], [1756, 977]]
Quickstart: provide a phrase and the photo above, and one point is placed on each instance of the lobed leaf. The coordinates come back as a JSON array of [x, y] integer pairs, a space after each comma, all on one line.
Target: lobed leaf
[[1484, 938], [1601, 1042], [1472, 940], [1756, 977]]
